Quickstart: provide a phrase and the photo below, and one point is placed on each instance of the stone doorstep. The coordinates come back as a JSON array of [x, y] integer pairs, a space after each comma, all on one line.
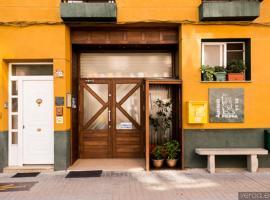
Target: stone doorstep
[[29, 168]]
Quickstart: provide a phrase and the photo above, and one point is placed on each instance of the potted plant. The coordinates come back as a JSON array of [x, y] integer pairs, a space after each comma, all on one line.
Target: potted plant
[[220, 73], [208, 73], [172, 152], [235, 71], [158, 153]]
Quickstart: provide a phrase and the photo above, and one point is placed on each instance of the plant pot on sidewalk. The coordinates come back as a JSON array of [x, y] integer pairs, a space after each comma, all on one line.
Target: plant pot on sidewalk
[[158, 163], [172, 150], [158, 156], [171, 162]]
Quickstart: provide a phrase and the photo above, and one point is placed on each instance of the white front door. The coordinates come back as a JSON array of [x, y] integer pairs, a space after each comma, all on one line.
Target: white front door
[[37, 120]]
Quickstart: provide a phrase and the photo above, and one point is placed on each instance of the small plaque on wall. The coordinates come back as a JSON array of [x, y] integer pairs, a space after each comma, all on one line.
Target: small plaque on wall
[[59, 120], [226, 105], [59, 101]]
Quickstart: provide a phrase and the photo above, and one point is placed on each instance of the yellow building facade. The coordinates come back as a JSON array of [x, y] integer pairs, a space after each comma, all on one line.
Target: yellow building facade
[[36, 32]]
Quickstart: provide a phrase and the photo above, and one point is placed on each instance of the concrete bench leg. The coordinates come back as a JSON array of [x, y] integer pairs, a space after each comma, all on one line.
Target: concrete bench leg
[[252, 163], [211, 164]]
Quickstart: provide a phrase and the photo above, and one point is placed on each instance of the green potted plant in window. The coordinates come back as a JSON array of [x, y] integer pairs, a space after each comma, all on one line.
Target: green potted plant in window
[[208, 73], [235, 71], [172, 152], [220, 73], [158, 154]]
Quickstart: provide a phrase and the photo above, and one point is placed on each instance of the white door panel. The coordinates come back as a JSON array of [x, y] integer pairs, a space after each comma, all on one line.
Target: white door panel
[[38, 138]]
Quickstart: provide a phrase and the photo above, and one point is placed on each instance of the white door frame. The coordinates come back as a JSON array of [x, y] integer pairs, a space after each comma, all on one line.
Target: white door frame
[[15, 151]]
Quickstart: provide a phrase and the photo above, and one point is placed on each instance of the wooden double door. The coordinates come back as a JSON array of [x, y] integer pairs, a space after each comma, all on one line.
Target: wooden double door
[[111, 118]]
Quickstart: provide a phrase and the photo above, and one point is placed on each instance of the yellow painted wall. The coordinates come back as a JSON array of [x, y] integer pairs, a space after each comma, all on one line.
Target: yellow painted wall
[[3, 95], [257, 106], [30, 10], [35, 43], [37, 40], [130, 11]]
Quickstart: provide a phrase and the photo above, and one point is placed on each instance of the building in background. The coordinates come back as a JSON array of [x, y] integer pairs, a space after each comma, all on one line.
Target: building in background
[[79, 79]]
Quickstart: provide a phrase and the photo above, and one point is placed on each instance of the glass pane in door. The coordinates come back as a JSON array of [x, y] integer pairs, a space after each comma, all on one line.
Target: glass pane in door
[[32, 70], [122, 122], [14, 88], [122, 90], [101, 122], [133, 106], [14, 104], [101, 90], [91, 106]]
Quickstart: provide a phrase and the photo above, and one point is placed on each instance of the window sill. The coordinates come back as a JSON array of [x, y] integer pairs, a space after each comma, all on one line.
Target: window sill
[[226, 81]]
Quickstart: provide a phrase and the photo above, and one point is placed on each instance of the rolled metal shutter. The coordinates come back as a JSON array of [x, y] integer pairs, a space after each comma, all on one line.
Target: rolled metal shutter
[[156, 65]]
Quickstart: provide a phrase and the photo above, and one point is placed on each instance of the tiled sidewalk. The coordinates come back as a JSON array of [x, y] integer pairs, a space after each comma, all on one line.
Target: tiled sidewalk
[[165, 185]]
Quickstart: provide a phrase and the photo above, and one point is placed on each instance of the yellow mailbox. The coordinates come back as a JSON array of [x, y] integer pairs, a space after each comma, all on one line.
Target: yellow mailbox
[[197, 112]]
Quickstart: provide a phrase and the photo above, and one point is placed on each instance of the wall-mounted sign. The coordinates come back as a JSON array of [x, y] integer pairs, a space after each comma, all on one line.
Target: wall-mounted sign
[[59, 120], [59, 101], [125, 125], [59, 111], [226, 104], [197, 112]]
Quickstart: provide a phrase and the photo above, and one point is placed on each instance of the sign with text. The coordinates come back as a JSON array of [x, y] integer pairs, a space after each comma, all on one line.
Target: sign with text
[[226, 105]]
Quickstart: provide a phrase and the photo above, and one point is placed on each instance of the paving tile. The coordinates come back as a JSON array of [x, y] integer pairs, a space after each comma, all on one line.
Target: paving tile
[[156, 185]]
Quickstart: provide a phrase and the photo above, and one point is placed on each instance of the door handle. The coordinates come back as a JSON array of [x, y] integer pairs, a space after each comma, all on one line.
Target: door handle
[[109, 112]]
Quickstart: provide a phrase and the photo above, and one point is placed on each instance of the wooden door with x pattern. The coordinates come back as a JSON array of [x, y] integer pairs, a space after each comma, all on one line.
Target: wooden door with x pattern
[[111, 118]]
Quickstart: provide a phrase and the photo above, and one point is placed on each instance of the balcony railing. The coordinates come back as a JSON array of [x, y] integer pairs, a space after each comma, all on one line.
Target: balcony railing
[[229, 10], [88, 10]]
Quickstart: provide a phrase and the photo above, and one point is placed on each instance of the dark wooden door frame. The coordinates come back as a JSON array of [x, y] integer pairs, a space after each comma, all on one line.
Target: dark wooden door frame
[[177, 115]]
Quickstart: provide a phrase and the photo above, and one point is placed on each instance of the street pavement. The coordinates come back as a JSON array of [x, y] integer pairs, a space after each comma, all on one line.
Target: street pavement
[[156, 185]]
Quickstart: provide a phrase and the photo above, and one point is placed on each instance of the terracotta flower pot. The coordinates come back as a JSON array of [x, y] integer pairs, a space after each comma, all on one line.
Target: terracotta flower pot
[[236, 76], [171, 162], [158, 163]]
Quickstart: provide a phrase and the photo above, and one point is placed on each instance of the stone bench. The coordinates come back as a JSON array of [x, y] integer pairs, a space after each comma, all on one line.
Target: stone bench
[[251, 153]]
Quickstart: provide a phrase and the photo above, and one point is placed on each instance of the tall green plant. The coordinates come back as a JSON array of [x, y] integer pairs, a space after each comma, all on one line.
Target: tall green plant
[[163, 117]]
